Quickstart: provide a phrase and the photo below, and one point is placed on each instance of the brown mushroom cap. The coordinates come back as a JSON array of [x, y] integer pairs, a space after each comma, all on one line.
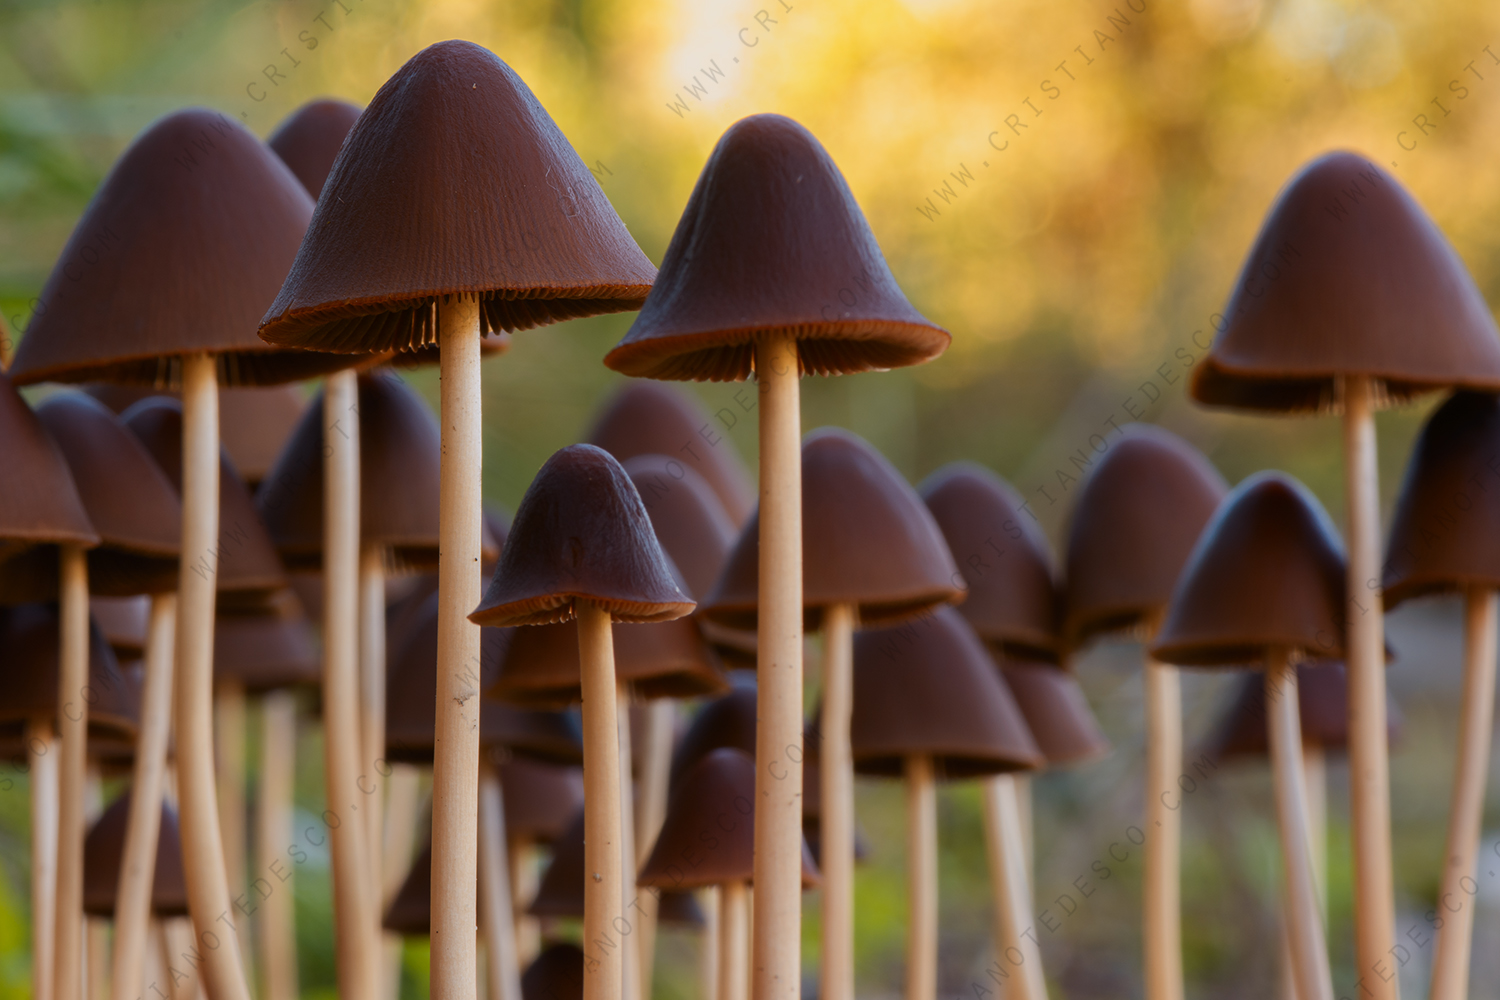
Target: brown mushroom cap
[[692, 526], [581, 533], [1137, 518], [1005, 560], [648, 418], [867, 539], [728, 721], [129, 501], [267, 650], [540, 799], [454, 181], [410, 912], [772, 241], [104, 850], [1268, 572], [1056, 712], [124, 621], [929, 687], [29, 636], [1322, 699], [309, 140], [708, 836], [179, 253], [556, 974], [1446, 531], [1348, 276], [246, 563], [411, 702]]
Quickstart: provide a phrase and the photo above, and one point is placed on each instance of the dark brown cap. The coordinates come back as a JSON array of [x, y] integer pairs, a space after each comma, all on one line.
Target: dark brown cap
[[309, 141], [772, 241], [929, 687], [689, 521], [454, 181], [724, 722], [28, 673], [1137, 518], [648, 418], [1446, 531], [708, 837], [1268, 572], [128, 498], [1056, 712], [581, 533], [1322, 699], [179, 253], [540, 799], [267, 649], [104, 850], [410, 913], [1004, 558], [680, 908], [411, 702], [399, 458], [245, 560], [124, 621], [1348, 276], [556, 974], [867, 539]]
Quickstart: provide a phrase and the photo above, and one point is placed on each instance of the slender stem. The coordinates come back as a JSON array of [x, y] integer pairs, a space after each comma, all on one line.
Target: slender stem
[[1015, 935], [631, 893], [922, 878], [72, 716], [502, 973], [524, 881], [734, 977], [229, 759], [1161, 875], [401, 806], [709, 898], [275, 913], [656, 769], [604, 944], [836, 769], [372, 699], [42, 754]]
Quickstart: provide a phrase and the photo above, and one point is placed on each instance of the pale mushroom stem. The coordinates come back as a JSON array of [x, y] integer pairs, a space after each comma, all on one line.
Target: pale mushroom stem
[[734, 941], [372, 703], [1016, 949], [402, 802], [1161, 873], [213, 912], [603, 882], [143, 825], [1304, 914], [521, 851], [836, 824], [496, 922], [455, 766], [777, 958], [1369, 766], [921, 879], [72, 714], [708, 943], [275, 913], [656, 770], [632, 893], [1450, 957], [229, 759], [1315, 781], [41, 759]]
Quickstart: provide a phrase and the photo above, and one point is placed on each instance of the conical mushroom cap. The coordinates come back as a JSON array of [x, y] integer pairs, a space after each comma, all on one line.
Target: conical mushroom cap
[[708, 836], [690, 523], [454, 181], [1322, 700], [1348, 276], [867, 539], [1005, 560], [179, 253], [581, 533], [540, 799], [104, 850], [1268, 571], [28, 674], [648, 418], [124, 621], [929, 687], [267, 650], [1136, 520], [556, 974], [246, 562], [1446, 531], [728, 721], [129, 501], [310, 139], [1056, 712], [411, 702], [772, 241]]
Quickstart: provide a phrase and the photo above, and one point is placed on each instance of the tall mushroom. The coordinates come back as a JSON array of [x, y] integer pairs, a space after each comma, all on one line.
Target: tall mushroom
[[1137, 517], [773, 269], [1351, 299], [1264, 587], [104, 852]]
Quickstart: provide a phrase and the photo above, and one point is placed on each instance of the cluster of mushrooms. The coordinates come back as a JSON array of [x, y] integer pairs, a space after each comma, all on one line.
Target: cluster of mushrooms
[[169, 533]]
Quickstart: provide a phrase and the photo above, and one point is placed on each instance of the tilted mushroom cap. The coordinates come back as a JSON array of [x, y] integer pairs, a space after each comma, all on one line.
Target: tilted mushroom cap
[[556, 974], [728, 721], [581, 533], [867, 539], [1446, 531], [29, 636], [1348, 276], [540, 799], [267, 649], [128, 498], [310, 139], [1136, 520], [708, 836], [245, 561], [1056, 712], [1005, 560], [411, 702], [179, 253], [648, 418], [690, 523], [772, 241], [929, 688], [454, 181], [39, 504], [1322, 700], [399, 458], [104, 850], [1268, 572], [124, 621]]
